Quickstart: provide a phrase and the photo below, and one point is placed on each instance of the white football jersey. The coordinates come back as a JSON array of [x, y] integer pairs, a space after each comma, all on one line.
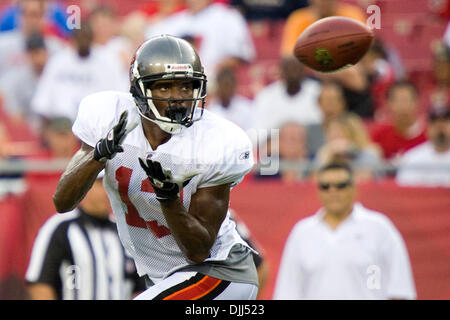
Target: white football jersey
[[214, 148]]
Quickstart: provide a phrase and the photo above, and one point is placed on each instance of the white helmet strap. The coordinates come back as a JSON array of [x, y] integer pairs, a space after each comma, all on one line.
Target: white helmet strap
[[165, 123]]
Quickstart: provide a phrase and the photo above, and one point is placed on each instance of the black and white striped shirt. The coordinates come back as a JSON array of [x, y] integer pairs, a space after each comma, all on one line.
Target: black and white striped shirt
[[82, 258]]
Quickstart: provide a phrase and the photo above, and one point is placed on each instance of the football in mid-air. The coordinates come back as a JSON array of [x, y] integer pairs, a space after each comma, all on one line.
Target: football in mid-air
[[332, 43]]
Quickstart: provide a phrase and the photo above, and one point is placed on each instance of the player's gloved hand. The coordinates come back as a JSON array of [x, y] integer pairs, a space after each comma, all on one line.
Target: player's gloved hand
[[106, 148], [166, 187]]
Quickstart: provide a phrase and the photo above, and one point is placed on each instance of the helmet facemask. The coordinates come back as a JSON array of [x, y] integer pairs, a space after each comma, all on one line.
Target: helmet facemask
[[176, 116]]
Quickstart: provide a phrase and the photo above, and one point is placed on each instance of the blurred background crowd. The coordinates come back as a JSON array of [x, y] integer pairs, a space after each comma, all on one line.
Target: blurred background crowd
[[389, 115]]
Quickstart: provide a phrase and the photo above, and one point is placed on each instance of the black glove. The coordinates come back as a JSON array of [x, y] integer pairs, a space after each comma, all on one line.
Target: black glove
[[107, 147], [166, 187]]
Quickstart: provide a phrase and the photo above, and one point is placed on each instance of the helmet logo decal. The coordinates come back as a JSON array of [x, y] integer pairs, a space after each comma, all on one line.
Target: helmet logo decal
[[172, 68]]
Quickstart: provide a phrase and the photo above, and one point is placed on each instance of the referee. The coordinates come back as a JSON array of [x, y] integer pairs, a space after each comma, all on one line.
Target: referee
[[78, 255]]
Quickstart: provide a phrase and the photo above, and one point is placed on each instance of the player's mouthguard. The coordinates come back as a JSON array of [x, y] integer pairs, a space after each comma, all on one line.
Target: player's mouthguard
[[176, 113]]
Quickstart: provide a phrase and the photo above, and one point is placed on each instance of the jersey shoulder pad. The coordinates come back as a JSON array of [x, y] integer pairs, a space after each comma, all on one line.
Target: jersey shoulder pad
[[98, 113], [227, 150]]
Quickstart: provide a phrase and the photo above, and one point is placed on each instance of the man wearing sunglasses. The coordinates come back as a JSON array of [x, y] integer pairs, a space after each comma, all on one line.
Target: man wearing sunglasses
[[344, 251]]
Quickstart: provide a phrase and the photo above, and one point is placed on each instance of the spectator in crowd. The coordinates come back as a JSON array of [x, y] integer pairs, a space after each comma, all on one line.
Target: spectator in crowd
[[71, 75], [104, 24], [106, 38], [344, 251], [428, 164], [221, 32], [405, 129], [381, 74], [293, 152], [300, 19], [267, 10], [332, 104], [16, 95], [133, 31], [356, 86], [55, 22], [434, 83], [292, 98], [288, 154], [78, 255], [59, 139], [439, 87], [346, 139], [228, 104], [12, 43], [56, 144]]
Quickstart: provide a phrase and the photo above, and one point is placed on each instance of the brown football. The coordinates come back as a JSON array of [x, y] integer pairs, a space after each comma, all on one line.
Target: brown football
[[332, 43]]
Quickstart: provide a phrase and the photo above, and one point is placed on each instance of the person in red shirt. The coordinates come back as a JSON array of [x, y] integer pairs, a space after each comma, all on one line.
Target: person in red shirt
[[405, 129]]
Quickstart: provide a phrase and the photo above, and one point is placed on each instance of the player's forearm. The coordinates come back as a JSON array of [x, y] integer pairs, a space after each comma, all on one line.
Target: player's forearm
[[76, 180], [192, 237]]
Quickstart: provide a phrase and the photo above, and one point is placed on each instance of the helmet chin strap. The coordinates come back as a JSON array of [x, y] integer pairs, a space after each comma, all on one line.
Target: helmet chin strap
[[172, 128]]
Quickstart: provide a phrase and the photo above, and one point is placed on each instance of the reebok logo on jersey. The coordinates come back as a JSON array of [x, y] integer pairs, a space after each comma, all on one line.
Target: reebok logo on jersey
[[244, 155]]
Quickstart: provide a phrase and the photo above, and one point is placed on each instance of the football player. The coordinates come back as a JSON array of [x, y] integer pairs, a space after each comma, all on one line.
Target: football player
[[169, 167]]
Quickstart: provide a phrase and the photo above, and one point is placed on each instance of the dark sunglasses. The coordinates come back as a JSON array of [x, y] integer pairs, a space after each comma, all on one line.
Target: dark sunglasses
[[339, 185]]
